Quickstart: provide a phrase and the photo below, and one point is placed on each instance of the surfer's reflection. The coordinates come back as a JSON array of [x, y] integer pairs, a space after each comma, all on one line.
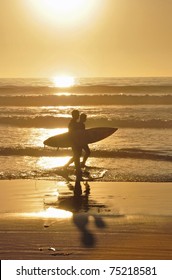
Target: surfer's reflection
[[82, 208], [80, 201], [78, 188], [81, 220]]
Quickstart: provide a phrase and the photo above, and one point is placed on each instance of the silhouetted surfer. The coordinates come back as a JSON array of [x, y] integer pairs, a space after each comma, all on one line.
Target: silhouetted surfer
[[73, 126], [81, 126], [82, 120]]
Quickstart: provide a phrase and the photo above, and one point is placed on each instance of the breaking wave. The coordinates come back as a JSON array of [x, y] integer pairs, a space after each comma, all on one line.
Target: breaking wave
[[54, 122], [106, 86], [86, 99]]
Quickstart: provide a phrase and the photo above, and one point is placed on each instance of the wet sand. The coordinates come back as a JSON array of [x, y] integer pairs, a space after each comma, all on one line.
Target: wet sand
[[43, 220]]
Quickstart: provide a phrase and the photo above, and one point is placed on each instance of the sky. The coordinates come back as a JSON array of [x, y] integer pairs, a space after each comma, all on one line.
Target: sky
[[85, 38]]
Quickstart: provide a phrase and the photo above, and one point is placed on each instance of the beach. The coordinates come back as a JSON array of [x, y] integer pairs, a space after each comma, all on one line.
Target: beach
[[42, 219]]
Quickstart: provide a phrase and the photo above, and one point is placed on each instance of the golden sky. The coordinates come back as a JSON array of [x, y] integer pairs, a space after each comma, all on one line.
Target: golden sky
[[90, 38]]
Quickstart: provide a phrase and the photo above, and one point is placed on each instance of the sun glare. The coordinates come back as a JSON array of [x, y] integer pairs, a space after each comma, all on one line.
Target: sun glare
[[64, 81], [64, 11]]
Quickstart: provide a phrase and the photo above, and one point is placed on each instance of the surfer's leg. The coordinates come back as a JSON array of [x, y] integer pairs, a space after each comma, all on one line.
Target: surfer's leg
[[76, 156], [77, 188], [87, 154]]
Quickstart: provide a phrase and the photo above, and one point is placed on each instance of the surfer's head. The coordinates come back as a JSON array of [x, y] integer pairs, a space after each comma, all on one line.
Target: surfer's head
[[75, 114], [83, 118]]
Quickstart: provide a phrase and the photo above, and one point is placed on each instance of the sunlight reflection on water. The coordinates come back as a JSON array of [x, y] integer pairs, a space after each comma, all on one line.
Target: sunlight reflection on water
[[43, 134], [51, 162], [50, 212]]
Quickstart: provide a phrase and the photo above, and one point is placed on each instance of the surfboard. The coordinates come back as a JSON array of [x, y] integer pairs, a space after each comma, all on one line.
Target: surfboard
[[79, 137]]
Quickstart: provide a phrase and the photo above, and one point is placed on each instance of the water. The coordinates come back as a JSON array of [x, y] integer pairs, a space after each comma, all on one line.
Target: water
[[33, 109]]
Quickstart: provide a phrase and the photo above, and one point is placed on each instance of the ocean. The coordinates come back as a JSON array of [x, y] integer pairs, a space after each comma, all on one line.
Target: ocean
[[32, 110]]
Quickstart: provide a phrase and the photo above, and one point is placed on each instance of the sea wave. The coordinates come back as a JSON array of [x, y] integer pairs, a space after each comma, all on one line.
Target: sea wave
[[80, 100], [51, 152], [54, 122], [85, 88]]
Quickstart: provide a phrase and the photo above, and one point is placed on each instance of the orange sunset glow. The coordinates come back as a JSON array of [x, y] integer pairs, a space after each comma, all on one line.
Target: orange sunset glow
[[86, 38]]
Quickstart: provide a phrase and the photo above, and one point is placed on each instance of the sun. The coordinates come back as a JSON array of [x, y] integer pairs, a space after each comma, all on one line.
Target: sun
[[64, 12], [64, 81]]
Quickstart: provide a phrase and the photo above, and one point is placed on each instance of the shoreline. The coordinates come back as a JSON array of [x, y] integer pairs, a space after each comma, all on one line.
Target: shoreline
[[111, 221]]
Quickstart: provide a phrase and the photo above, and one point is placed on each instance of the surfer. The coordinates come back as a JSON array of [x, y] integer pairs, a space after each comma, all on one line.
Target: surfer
[[81, 126], [82, 120], [73, 126]]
